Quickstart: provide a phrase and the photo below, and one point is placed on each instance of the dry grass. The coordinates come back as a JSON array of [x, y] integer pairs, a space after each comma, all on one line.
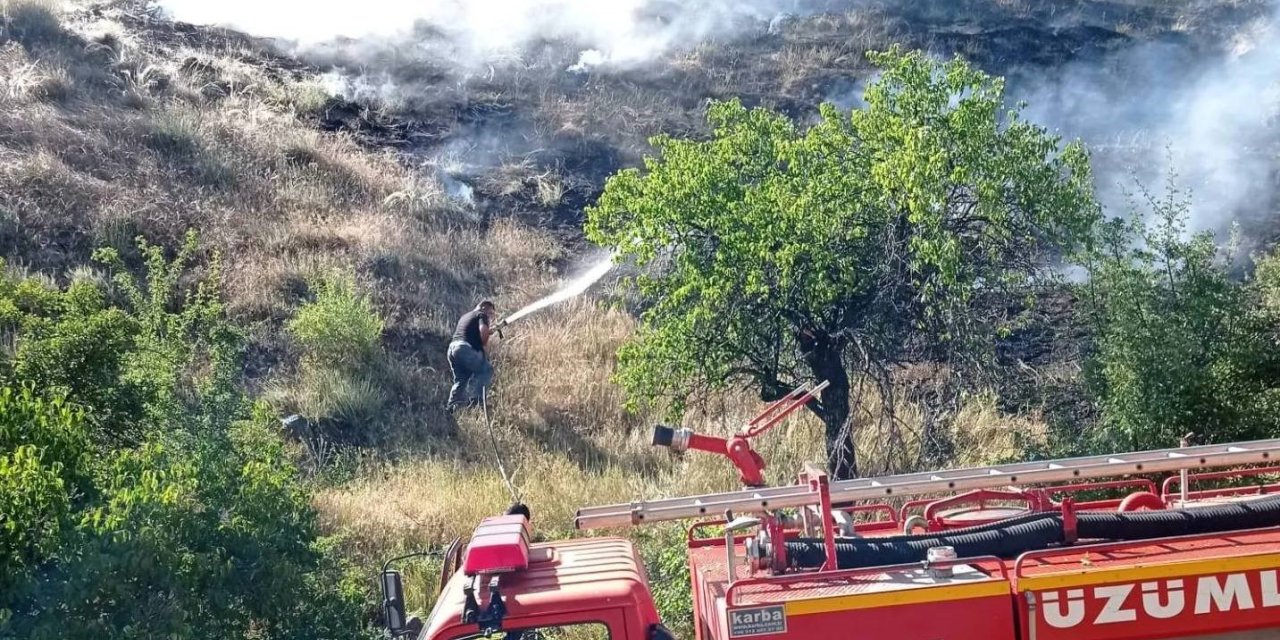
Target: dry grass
[[568, 444]]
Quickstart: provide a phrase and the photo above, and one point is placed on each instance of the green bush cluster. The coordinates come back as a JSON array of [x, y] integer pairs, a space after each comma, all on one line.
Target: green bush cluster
[[1181, 344], [338, 335], [141, 495], [339, 328]]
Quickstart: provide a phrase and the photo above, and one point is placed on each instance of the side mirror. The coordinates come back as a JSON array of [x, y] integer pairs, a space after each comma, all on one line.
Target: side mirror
[[659, 632], [393, 603]]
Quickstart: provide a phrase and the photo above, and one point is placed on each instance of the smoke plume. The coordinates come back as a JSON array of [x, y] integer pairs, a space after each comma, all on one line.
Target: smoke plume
[[1203, 107], [475, 32], [1162, 108]]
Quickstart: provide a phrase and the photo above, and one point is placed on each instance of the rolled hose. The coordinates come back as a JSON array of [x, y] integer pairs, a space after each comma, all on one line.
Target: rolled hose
[[1012, 537], [1005, 538]]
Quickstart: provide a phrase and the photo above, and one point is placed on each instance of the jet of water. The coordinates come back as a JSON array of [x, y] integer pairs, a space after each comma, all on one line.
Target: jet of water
[[572, 288]]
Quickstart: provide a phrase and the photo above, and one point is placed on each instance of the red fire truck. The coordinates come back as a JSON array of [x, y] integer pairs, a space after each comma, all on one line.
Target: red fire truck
[[1181, 543]]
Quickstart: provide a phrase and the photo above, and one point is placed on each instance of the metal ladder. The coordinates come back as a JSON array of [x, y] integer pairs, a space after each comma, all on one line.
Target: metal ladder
[[916, 484]]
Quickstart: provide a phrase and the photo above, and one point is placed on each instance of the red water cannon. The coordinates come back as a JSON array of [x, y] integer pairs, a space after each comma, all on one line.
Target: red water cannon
[[738, 448]]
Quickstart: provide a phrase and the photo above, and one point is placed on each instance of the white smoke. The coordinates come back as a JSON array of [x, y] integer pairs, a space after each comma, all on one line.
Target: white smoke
[[1166, 108], [1145, 110], [620, 31]]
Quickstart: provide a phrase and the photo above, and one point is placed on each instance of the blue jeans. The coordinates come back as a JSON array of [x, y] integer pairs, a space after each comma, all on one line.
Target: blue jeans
[[471, 371]]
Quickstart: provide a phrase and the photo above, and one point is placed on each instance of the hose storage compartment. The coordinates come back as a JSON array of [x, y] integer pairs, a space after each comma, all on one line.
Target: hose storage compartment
[[1009, 538]]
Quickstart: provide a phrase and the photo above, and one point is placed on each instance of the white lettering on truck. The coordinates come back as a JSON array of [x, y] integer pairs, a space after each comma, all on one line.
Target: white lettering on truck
[[1066, 609]]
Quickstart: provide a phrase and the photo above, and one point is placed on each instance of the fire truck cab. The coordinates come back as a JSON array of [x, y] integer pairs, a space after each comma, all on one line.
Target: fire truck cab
[[504, 587]]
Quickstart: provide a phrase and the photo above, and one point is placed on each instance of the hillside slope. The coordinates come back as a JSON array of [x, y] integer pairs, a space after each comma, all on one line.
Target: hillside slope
[[114, 124]]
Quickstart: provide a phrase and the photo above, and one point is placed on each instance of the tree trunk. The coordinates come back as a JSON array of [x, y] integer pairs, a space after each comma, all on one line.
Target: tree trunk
[[827, 364]]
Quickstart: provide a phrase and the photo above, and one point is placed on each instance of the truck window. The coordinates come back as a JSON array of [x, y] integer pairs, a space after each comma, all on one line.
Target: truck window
[[590, 631]]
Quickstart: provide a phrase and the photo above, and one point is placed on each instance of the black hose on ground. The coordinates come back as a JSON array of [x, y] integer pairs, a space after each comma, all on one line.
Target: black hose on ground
[[1012, 537]]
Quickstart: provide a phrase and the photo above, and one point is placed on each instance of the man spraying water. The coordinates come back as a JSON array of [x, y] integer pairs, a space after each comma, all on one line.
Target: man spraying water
[[467, 359]]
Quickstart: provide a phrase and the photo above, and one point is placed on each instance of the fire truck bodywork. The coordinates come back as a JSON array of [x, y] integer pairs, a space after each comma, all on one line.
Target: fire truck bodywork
[[1206, 587], [595, 581], [902, 602], [1020, 556]]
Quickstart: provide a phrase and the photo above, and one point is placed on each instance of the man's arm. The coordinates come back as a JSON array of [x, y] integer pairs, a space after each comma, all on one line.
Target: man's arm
[[484, 331]]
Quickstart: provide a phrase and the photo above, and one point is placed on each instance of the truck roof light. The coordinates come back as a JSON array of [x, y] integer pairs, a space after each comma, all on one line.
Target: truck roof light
[[499, 545]]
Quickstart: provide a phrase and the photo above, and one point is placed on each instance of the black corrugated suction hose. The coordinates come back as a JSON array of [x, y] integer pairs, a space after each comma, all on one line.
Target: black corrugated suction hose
[[1009, 538], [1144, 525]]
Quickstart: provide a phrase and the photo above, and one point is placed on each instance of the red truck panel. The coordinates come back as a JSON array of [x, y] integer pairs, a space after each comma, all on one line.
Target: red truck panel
[[499, 545], [1179, 588], [899, 605]]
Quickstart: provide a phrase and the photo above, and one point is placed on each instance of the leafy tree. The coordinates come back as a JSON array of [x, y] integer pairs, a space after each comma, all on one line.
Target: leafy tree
[[865, 241], [1180, 346]]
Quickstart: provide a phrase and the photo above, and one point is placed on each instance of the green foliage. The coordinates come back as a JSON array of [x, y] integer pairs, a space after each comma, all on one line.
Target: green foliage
[[138, 499], [186, 354], [1267, 284], [216, 538], [81, 352], [337, 388], [663, 550], [1180, 346], [34, 507], [340, 328], [163, 355], [872, 233]]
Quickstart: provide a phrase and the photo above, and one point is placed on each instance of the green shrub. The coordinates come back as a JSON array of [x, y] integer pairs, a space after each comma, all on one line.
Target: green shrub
[[34, 506], [340, 328], [210, 538], [82, 353], [163, 354], [156, 506], [337, 385], [1180, 347]]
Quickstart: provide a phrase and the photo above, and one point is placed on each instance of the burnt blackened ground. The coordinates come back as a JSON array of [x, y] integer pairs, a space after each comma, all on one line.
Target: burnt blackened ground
[[537, 139]]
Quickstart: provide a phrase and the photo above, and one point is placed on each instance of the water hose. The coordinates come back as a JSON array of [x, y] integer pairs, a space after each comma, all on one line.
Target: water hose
[[1015, 536]]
